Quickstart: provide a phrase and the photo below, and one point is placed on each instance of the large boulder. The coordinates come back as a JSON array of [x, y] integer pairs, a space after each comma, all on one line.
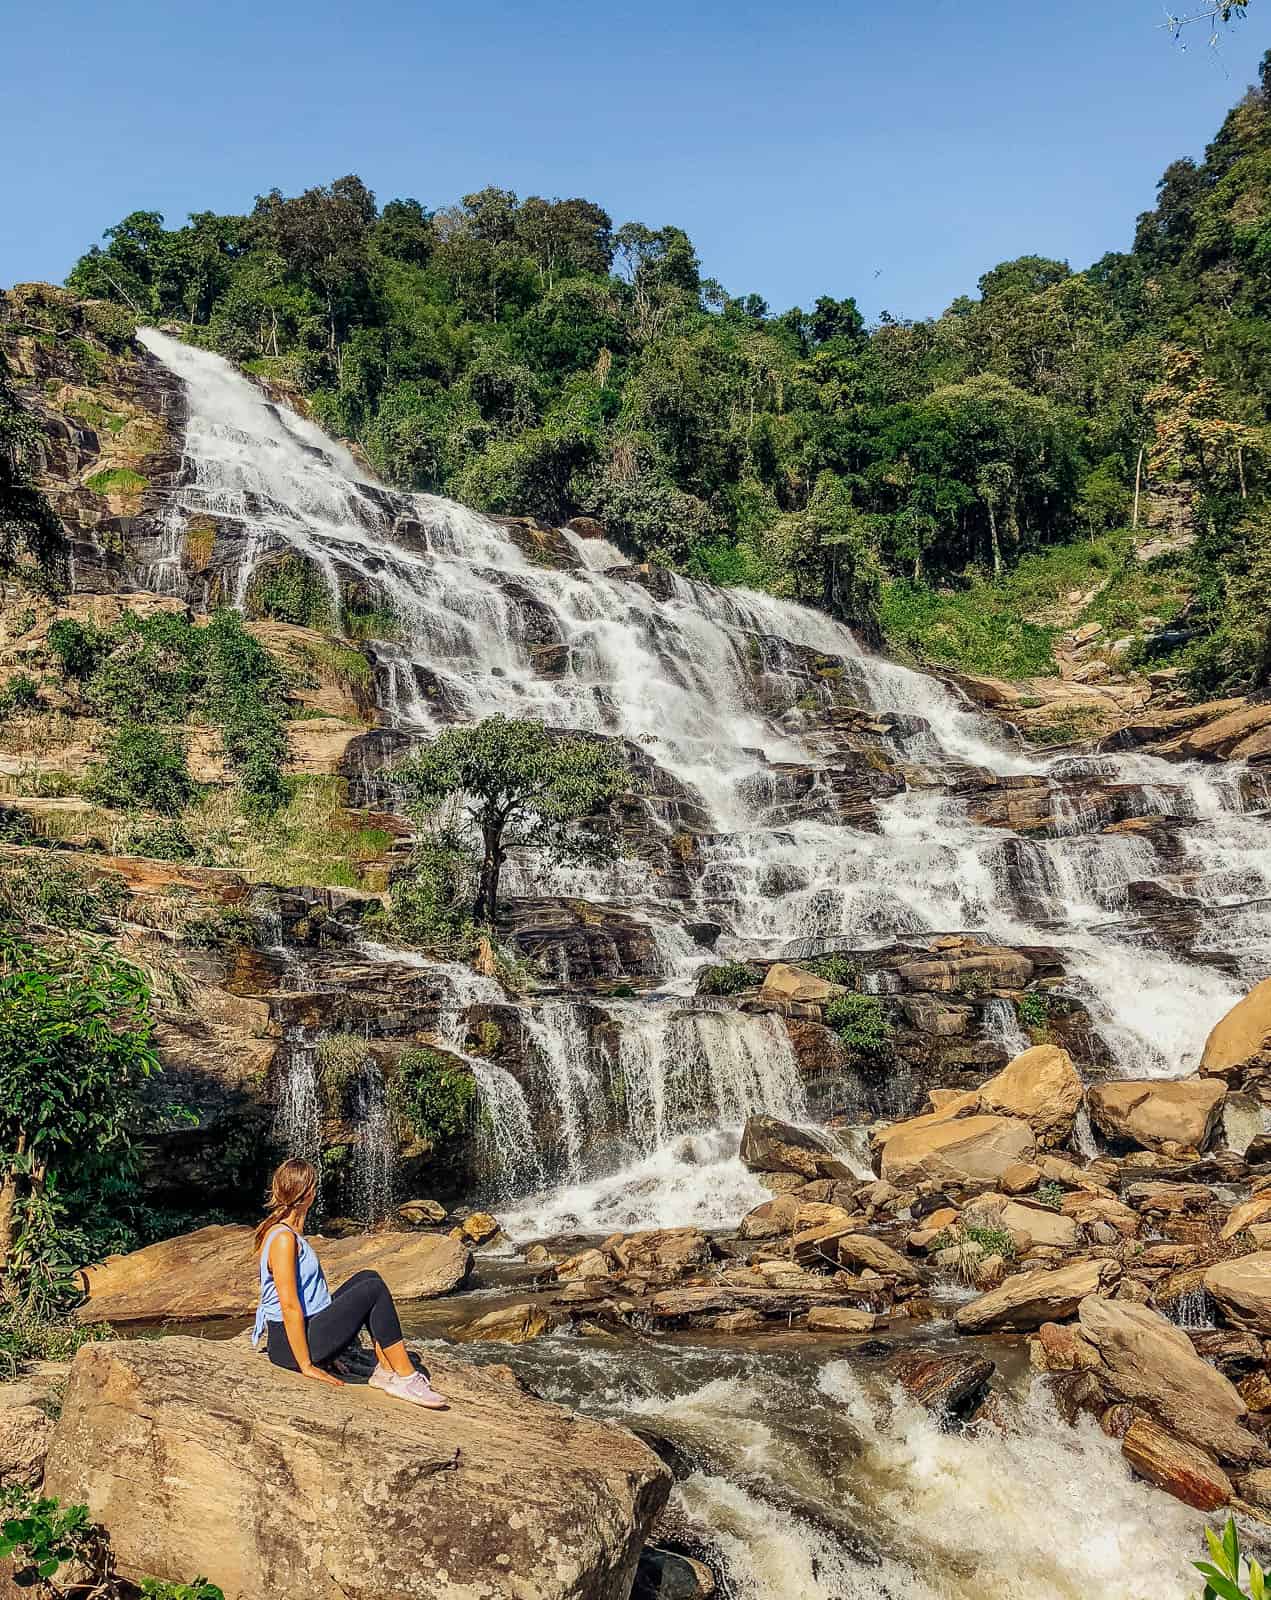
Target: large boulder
[[1242, 1288], [1151, 1363], [663, 1252], [1042, 1087], [213, 1273], [1042, 1224], [199, 1456], [966, 1150], [1155, 1112], [1027, 1299], [783, 982], [1189, 1474], [769, 1145], [1242, 1035]]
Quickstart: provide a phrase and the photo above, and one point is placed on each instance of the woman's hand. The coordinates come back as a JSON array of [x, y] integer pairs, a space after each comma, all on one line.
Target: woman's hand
[[318, 1372]]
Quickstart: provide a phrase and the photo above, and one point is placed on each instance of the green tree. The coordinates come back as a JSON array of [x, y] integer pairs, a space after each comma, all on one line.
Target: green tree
[[76, 1045], [511, 785]]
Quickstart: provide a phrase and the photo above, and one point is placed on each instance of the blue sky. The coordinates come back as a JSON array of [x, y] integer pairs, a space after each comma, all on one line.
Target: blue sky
[[892, 151]]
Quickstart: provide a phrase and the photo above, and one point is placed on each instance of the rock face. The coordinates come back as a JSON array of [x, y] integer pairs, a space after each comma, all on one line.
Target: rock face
[[784, 982], [968, 1150], [1155, 1113], [768, 1145], [1190, 1475], [213, 1273], [1242, 1035], [1243, 1289], [1151, 1363], [1027, 1299], [1042, 1087], [201, 1457]]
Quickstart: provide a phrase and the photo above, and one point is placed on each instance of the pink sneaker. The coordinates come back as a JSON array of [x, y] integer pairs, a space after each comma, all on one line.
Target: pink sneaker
[[381, 1377], [416, 1389]]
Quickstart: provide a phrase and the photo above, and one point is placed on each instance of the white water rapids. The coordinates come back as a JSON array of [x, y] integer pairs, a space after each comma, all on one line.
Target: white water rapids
[[707, 682]]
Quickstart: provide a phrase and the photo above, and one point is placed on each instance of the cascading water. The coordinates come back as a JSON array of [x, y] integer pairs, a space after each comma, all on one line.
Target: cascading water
[[373, 1149], [676, 673], [297, 1122]]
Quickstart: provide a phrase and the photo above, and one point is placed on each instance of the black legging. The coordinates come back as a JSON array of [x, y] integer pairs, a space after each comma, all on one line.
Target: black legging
[[362, 1302]]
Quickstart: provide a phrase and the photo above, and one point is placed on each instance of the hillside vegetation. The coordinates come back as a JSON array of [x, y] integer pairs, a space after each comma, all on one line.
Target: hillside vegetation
[[530, 356]]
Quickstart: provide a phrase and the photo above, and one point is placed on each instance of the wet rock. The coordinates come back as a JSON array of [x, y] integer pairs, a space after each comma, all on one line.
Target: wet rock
[[1242, 1289], [771, 1219], [170, 1443], [967, 1150], [508, 1325], [1243, 1036], [586, 1264], [1149, 1362], [1255, 1487], [212, 1273], [769, 1145], [1027, 1299], [1042, 1087], [843, 1319], [421, 1213], [1189, 1474], [478, 1228], [950, 1383], [1157, 1113], [863, 1250], [1169, 1199], [783, 982], [669, 1575], [663, 1252], [1059, 1347]]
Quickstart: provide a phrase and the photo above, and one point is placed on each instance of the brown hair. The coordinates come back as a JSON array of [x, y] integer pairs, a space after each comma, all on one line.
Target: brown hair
[[290, 1185]]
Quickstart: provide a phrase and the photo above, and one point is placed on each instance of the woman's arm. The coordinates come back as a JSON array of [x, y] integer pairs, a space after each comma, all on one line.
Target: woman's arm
[[282, 1264]]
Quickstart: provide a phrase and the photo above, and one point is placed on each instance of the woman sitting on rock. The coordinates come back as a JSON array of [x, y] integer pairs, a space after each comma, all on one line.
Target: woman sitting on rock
[[308, 1325]]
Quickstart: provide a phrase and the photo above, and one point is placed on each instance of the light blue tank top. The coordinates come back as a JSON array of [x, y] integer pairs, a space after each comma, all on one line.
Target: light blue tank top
[[311, 1283]]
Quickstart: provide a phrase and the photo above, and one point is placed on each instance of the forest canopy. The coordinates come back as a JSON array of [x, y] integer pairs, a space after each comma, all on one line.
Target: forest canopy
[[529, 356]]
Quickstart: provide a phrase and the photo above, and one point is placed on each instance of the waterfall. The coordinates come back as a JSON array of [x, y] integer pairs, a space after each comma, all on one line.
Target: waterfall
[[1002, 1026], [698, 677], [373, 1156], [297, 1122]]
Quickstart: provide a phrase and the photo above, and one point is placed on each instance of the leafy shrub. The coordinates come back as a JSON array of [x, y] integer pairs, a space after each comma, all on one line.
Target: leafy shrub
[[16, 827], [729, 977], [226, 929], [433, 1097], [20, 693], [246, 696], [160, 1589], [430, 904], [117, 480], [1050, 1195], [53, 894], [144, 767], [78, 646], [292, 590], [1033, 1009], [28, 1333], [161, 841], [341, 1056], [860, 1022], [836, 968]]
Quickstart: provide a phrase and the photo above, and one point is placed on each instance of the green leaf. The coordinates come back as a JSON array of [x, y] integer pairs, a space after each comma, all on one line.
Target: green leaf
[[1222, 1586]]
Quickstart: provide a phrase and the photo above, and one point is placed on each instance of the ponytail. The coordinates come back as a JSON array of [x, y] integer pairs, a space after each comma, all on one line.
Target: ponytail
[[293, 1182]]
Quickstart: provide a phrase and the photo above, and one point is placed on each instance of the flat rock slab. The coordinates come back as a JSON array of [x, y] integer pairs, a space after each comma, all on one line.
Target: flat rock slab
[[213, 1273], [201, 1457]]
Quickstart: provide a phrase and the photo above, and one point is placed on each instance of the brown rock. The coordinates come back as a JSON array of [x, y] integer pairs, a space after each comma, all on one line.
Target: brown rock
[[586, 1264], [1148, 1361], [863, 1250], [479, 1228], [27, 1409], [663, 1252], [1189, 1474], [1059, 1347], [201, 1457], [771, 1219], [1255, 1487], [969, 1150], [1042, 1087], [1155, 1112], [1027, 1299], [1021, 1177], [769, 1145], [421, 1213], [508, 1325], [783, 982], [952, 1382], [1242, 1288], [1247, 1214], [213, 1273], [843, 1319]]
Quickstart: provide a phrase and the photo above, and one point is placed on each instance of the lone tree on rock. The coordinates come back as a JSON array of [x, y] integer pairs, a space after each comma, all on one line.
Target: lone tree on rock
[[515, 784]]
